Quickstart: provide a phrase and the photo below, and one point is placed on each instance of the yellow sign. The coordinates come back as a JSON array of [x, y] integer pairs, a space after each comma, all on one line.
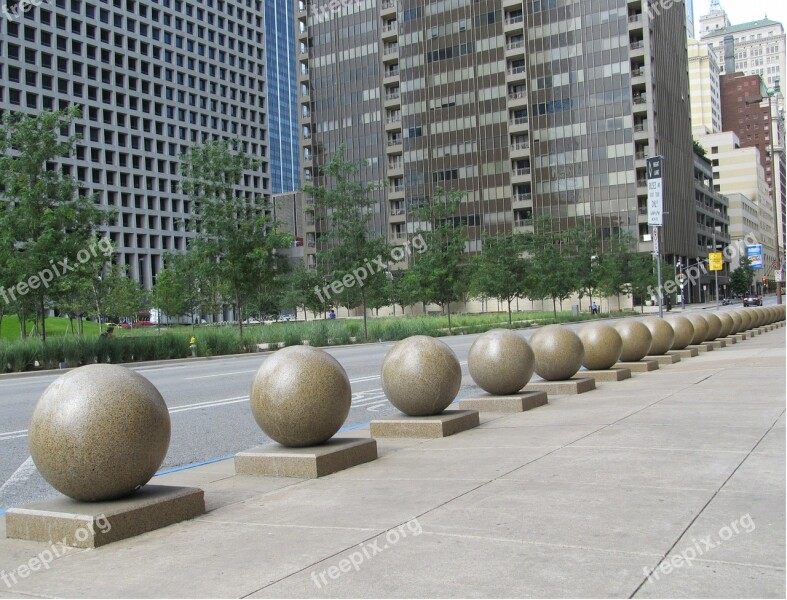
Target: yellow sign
[[715, 262]]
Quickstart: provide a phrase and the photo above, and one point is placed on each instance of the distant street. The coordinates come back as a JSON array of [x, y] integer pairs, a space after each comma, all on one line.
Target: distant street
[[208, 401]]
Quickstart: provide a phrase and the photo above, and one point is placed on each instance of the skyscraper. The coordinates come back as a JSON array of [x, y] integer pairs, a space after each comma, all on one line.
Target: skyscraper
[[153, 77], [530, 108], [281, 78]]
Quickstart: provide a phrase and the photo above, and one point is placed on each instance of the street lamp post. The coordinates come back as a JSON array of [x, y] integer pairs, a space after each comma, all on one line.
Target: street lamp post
[[773, 191]]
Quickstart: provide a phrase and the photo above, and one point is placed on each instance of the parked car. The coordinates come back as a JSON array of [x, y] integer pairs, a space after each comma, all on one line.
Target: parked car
[[752, 300]]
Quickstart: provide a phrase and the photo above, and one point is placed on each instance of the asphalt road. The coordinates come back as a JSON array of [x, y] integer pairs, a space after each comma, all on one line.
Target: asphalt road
[[208, 403]]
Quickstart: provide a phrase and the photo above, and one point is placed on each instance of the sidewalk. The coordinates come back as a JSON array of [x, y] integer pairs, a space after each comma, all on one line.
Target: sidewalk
[[582, 497]]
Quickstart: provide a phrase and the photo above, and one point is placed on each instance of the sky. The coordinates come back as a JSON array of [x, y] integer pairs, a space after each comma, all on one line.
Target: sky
[[742, 11]]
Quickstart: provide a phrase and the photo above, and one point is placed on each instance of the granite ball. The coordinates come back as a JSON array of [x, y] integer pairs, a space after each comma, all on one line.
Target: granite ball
[[701, 328], [637, 339], [684, 331], [746, 320], [421, 376], [756, 317], [99, 432], [300, 396], [663, 335], [714, 326], [501, 362], [726, 323], [559, 352], [602, 344], [737, 322]]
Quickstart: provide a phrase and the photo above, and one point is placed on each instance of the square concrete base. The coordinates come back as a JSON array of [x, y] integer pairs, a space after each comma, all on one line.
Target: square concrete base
[[511, 403], [731, 339], [752, 332], [664, 359], [608, 374], [684, 352], [309, 462], [579, 384], [447, 423], [744, 335], [717, 344], [700, 347], [94, 524], [639, 366]]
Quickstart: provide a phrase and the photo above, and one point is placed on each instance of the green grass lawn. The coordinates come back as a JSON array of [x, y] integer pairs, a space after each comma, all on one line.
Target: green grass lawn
[[55, 326]]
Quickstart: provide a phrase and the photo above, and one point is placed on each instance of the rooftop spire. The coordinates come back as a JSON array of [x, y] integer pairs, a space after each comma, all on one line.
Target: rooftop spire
[[715, 5]]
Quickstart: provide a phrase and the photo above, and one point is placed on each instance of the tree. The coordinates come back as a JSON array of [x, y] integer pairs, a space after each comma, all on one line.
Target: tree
[[584, 250], [352, 245], [501, 270], [741, 278], [299, 291], [551, 273], [170, 293], [236, 239], [43, 217], [123, 295], [612, 270], [643, 278], [439, 272]]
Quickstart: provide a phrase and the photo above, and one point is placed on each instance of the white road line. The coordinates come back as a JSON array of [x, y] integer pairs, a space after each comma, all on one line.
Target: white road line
[[219, 375], [22, 474]]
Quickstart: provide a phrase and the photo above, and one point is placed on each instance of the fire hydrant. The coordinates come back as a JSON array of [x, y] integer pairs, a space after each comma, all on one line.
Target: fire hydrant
[[193, 346]]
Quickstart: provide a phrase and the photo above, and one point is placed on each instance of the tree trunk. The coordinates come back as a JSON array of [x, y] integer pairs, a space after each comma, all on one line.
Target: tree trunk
[[554, 308], [450, 331], [365, 329], [240, 315], [510, 322]]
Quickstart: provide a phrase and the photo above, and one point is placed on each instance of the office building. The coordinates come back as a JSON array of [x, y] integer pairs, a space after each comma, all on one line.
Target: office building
[[282, 96], [154, 78], [529, 108], [704, 89]]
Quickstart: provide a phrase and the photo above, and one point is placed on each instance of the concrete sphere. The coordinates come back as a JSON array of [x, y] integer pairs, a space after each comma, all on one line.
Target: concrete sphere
[[757, 317], [768, 315], [421, 376], [559, 352], [602, 344], [701, 328], [746, 320], [714, 326], [99, 432], [737, 322], [637, 339], [684, 331], [300, 396], [662, 332], [726, 323], [501, 362]]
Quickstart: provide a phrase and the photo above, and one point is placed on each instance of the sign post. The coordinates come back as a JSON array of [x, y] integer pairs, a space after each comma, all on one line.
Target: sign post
[[716, 264], [656, 216]]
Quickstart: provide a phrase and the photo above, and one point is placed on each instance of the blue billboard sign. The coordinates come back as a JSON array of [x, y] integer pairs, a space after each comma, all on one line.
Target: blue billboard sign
[[754, 253]]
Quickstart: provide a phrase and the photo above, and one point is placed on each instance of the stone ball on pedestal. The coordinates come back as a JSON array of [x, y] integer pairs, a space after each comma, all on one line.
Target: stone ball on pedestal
[[421, 376], [300, 396], [684, 331], [737, 322], [746, 320], [663, 335], [700, 328], [559, 352], [602, 344], [99, 432], [714, 326], [501, 362], [726, 323], [637, 339]]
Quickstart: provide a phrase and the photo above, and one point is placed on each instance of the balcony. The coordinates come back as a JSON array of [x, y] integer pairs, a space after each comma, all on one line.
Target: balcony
[[521, 171], [517, 73], [389, 30], [522, 197], [388, 6], [514, 44]]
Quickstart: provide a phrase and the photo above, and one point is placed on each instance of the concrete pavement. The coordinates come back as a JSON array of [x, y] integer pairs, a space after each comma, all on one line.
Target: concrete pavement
[[669, 484]]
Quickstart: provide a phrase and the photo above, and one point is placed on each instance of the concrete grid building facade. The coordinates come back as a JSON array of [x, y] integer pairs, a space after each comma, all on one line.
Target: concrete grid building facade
[[705, 90], [153, 77], [531, 108]]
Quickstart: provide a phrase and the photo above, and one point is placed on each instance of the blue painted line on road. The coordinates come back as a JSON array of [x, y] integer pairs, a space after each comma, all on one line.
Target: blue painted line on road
[[351, 427], [191, 466]]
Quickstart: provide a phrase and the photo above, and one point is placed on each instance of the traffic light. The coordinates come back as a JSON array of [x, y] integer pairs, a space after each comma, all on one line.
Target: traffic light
[[764, 281]]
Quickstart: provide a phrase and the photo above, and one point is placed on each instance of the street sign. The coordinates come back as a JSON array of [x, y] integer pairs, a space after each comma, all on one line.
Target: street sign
[[778, 275], [655, 238], [682, 277], [655, 199], [754, 253], [715, 262]]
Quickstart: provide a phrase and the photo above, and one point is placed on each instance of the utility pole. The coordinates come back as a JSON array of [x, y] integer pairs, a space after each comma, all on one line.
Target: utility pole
[[656, 216]]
